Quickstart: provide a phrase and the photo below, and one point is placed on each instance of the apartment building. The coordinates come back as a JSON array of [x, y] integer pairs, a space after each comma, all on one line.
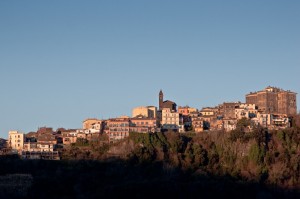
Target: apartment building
[[16, 140]]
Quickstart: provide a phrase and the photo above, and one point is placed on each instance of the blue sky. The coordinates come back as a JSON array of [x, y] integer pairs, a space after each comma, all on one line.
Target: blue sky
[[64, 61]]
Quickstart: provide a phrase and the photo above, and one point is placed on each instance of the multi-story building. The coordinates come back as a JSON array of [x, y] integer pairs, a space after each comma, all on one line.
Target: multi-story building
[[117, 129], [245, 111], [229, 109], [198, 124], [46, 142], [274, 100], [69, 137], [144, 122], [170, 117], [16, 140]]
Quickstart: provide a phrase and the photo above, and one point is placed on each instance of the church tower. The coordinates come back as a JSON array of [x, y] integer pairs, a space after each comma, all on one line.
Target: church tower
[[161, 100]]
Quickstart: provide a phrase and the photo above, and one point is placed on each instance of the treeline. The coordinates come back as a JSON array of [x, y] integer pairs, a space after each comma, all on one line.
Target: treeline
[[262, 156], [239, 164]]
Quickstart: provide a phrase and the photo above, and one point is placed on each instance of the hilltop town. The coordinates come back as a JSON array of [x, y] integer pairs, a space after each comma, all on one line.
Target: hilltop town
[[271, 108]]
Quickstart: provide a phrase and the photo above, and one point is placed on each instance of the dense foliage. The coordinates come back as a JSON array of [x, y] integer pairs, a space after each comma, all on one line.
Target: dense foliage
[[239, 164]]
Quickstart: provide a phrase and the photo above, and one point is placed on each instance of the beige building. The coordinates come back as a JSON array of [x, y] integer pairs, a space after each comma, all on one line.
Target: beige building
[[169, 117], [16, 140], [117, 129], [145, 111], [198, 124], [69, 137], [208, 111], [91, 123]]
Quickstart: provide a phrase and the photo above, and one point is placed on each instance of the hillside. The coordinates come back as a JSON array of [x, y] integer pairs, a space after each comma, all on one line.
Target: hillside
[[260, 164]]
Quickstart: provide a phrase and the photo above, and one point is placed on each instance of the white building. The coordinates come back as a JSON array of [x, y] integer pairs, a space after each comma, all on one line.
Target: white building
[[169, 117]]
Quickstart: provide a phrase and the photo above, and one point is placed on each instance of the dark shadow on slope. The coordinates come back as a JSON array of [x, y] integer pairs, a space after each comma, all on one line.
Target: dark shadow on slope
[[119, 179]]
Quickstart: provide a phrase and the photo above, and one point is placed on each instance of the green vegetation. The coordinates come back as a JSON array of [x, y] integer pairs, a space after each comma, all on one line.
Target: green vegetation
[[238, 164]]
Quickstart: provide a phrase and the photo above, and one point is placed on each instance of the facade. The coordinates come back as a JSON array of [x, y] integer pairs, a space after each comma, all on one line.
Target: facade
[[272, 121], [46, 142], [16, 140], [144, 122], [198, 124], [92, 124], [143, 125], [117, 129], [229, 124], [274, 101], [145, 111], [30, 146], [169, 117], [69, 137], [229, 109], [245, 111], [209, 111], [186, 110]]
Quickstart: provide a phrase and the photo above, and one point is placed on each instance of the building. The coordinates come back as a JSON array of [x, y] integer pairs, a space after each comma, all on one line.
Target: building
[[117, 129], [280, 121], [208, 111], [145, 111], [229, 109], [229, 124], [170, 117], [46, 142], [186, 110], [141, 124], [69, 137], [245, 111], [198, 124], [144, 122], [273, 100], [93, 125], [16, 140], [166, 104], [272, 121]]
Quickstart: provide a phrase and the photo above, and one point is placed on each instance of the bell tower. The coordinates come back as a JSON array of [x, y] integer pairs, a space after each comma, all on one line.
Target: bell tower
[[161, 100]]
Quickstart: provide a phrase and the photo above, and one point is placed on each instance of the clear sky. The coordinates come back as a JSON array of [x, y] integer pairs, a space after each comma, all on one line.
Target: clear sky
[[64, 61]]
